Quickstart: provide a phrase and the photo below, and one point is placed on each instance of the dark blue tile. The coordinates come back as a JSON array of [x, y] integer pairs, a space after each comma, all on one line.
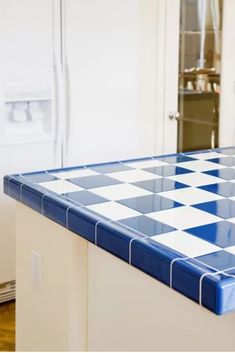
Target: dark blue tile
[[223, 208], [160, 185], [146, 226], [149, 203], [167, 170], [155, 260], [227, 161], [226, 150], [175, 159], [225, 189], [94, 181], [115, 238], [110, 168], [39, 177], [220, 233], [220, 260], [224, 173], [85, 197]]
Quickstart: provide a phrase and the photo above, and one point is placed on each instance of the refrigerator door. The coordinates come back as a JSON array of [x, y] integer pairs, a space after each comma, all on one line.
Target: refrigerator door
[[27, 104], [111, 57]]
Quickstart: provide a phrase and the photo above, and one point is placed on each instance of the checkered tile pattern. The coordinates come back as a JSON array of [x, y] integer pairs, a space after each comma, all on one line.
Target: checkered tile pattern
[[182, 205]]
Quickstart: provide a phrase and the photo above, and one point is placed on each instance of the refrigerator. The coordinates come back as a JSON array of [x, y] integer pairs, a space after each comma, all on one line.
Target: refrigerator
[[78, 82]]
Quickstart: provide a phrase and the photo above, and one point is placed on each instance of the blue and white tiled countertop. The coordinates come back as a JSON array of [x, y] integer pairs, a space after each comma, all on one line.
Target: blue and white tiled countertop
[[171, 216]]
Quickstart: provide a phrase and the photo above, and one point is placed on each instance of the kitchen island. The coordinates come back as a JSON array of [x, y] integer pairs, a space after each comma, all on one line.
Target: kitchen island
[[127, 255]]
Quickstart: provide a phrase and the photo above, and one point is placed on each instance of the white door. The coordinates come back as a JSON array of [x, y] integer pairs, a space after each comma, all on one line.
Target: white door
[[199, 75], [27, 105], [111, 56]]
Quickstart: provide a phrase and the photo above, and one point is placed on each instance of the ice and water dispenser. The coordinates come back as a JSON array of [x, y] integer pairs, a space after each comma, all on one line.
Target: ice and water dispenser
[[27, 114]]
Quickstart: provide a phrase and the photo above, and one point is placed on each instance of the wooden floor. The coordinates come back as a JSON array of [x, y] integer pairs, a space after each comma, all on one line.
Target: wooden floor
[[7, 327]]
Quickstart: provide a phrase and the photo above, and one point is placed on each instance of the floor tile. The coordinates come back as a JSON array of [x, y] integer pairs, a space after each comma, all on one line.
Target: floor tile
[[119, 192], [60, 186], [114, 210], [220, 233], [190, 196], [160, 185], [149, 203], [167, 170], [184, 217], [220, 260], [224, 208], [146, 226], [186, 244], [196, 179], [131, 176], [200, 165], [226, 173], [85, 197], [225, 189], [94, 181], [75, 173]]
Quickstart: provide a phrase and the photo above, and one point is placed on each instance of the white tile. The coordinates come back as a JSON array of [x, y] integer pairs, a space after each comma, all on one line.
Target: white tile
[[60, 186], [184, 217], [230, 249], [186, 244], [113, 210], [196, 179], [190, 196], [207, 155], [200, 165], [120, 191], [146, 164], [232, 220], [131, 176], [75, 173]]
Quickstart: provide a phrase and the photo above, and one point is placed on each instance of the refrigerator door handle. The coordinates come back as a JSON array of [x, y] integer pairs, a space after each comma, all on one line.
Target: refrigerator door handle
[[58, 69]]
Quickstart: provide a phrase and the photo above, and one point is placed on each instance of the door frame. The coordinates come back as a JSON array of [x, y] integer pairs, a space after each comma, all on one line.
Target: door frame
[[167, 73]]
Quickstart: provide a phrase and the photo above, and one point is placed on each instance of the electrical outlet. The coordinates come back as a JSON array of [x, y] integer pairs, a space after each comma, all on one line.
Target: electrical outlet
[[36, 262]]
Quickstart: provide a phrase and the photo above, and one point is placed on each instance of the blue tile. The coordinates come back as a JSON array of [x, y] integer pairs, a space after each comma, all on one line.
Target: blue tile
[[94, 181], [83, 222], [223, 208], [155, 260], [220, 233], [39, 177], [225, 189], [146, 226], [225, 173], [167, 170], [219, 260], [149, 203], [175, 159], [110, 168], [226, 150], [227, 161], [160, 185], [85, 197], [115, 238]]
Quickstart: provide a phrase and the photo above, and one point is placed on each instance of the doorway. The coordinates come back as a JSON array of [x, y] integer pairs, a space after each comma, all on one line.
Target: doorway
[[200, 115]]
